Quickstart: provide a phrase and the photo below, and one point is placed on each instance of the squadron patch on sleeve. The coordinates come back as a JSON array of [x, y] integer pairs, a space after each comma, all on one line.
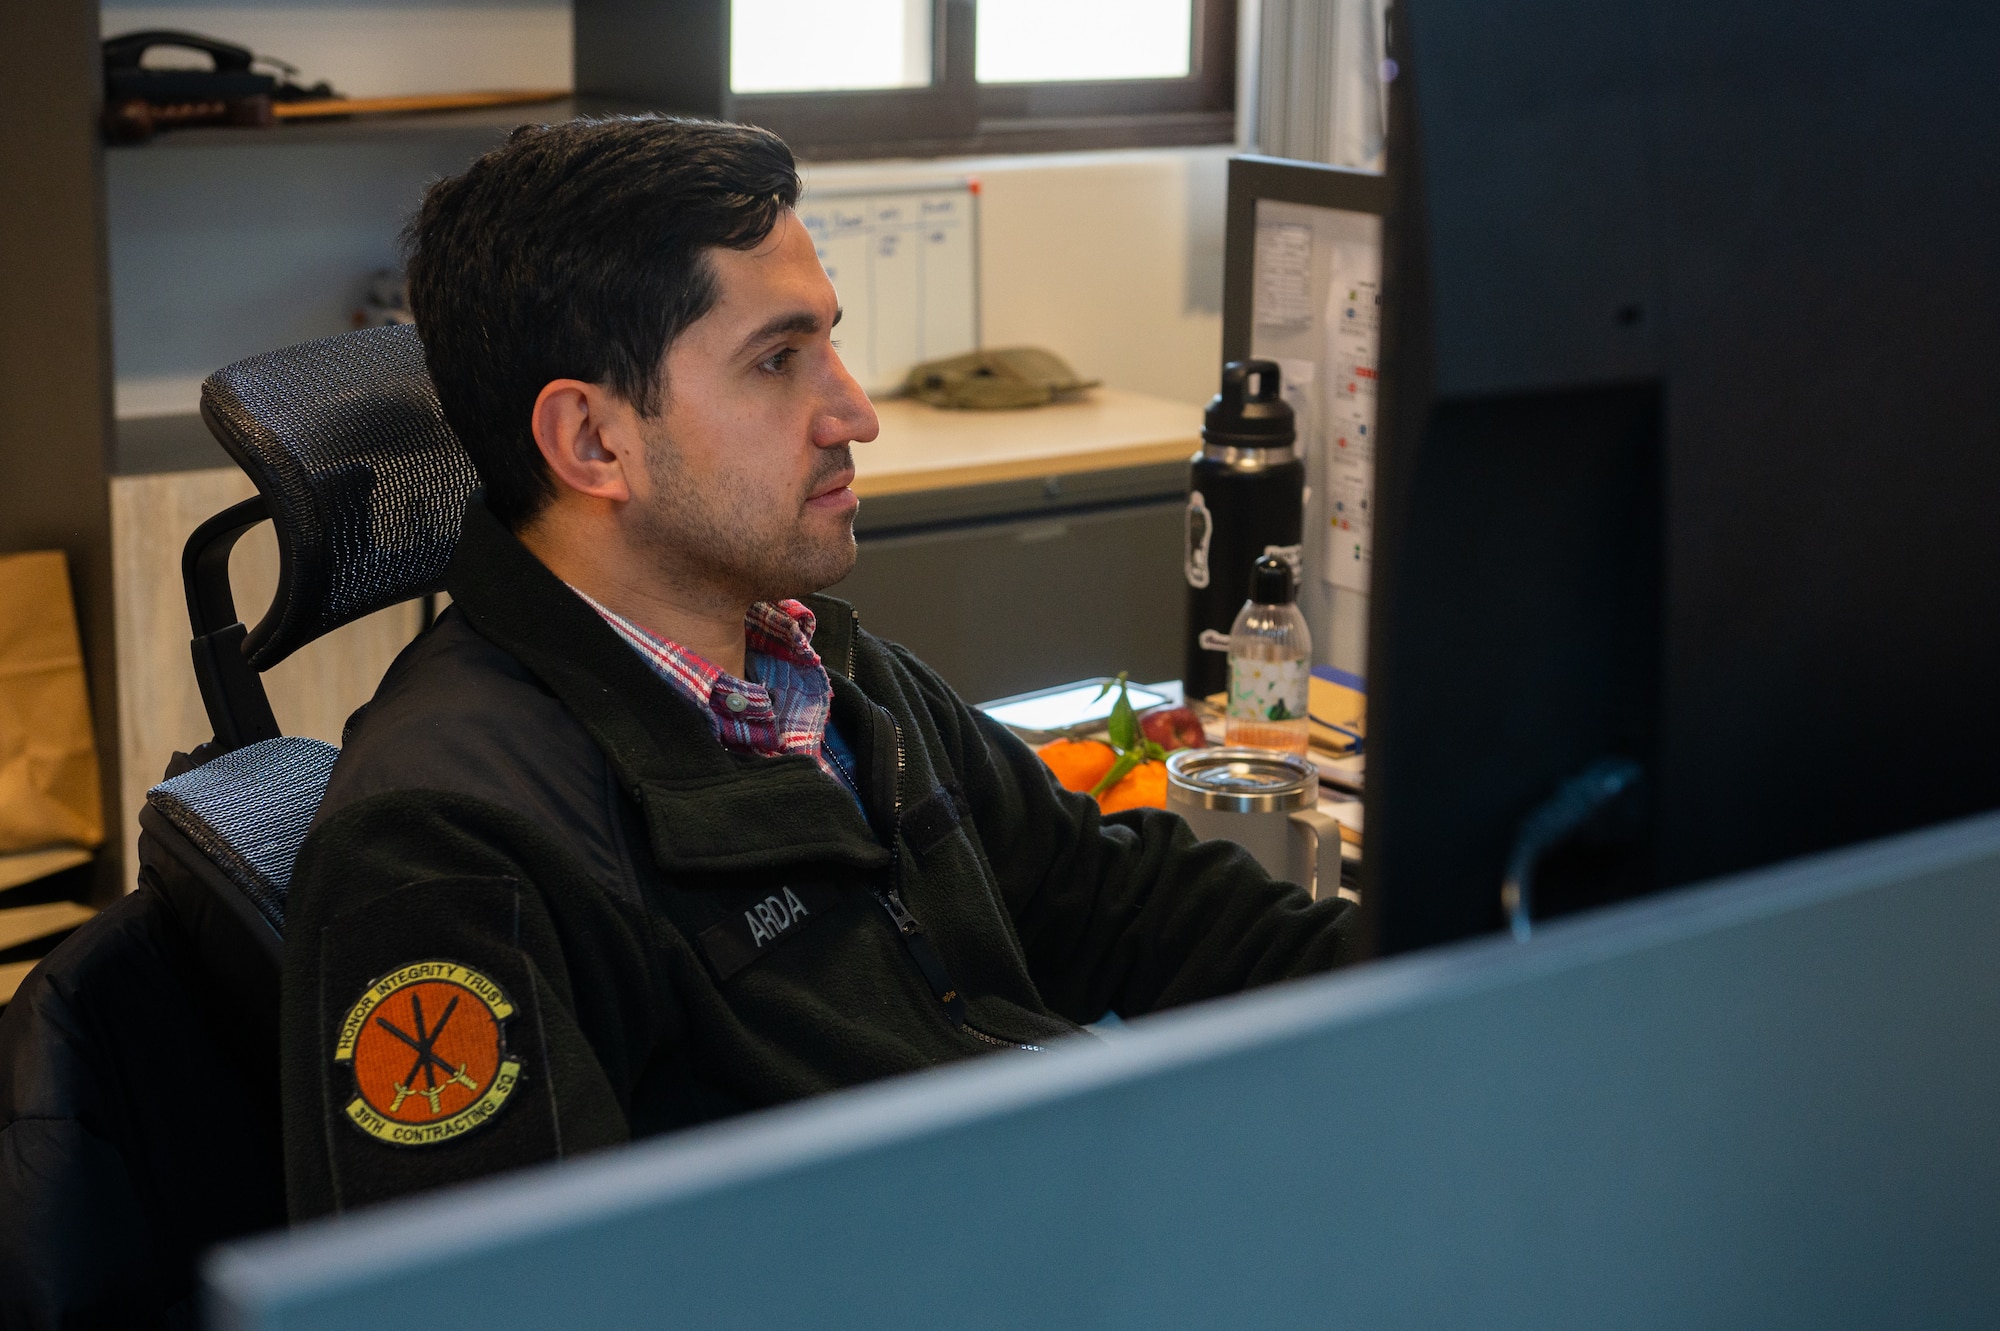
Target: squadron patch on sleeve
[[428, 1048]]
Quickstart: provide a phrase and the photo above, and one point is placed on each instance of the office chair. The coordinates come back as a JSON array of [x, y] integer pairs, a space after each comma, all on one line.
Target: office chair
[[138, 1064]]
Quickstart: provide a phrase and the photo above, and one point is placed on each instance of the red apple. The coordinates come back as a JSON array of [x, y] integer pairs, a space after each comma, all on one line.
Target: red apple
[[1173, 728]]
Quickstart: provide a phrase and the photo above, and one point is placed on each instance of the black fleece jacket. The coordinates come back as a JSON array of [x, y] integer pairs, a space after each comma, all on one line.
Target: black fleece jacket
[[621, 928]]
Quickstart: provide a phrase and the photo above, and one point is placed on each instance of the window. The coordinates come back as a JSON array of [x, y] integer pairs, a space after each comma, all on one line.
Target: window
[[1101, 40], [871, 78], [828, 45]]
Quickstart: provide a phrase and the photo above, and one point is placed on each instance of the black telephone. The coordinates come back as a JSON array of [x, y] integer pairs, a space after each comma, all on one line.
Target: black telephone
[[230, 75], [138, 102]]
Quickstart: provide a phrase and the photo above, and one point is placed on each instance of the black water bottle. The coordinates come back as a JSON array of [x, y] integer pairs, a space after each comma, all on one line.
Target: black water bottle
[[1246, 498]]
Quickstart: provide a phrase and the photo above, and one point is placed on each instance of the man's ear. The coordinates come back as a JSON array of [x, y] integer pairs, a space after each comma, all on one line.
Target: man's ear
[[588, 436]]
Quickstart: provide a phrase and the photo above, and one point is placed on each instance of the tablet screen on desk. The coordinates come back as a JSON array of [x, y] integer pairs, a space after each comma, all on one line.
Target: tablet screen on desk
[[1067, 706]]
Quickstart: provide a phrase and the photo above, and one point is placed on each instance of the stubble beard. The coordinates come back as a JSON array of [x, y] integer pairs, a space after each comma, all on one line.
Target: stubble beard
[[739, 544]]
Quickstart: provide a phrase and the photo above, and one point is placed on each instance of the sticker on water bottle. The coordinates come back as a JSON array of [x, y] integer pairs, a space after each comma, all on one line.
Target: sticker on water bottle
[[1200, 530], [1268, 690]]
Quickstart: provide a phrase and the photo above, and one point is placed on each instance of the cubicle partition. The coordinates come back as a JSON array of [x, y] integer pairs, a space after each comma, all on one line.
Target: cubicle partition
[[1771, 1101]]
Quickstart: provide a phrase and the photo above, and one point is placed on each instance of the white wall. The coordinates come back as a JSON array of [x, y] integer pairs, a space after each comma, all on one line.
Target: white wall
[[219, 253], [1113, 260]]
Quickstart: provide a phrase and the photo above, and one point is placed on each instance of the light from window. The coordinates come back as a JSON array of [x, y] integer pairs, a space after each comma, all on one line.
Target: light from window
[[829, 45], [1068, 41]]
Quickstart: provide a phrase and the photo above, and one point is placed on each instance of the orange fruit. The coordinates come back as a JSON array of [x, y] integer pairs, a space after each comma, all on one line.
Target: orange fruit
[[1078, 764], [1144, 787]]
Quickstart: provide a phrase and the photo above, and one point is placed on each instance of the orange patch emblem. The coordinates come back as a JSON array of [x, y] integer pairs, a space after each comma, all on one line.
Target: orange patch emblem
[[429, 1054]]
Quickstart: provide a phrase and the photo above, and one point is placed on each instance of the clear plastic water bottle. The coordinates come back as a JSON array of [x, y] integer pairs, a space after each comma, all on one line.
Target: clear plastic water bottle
[[1270, 664]]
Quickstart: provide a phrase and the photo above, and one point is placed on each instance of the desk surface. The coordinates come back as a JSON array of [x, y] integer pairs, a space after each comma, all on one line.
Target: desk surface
[[923, 447]]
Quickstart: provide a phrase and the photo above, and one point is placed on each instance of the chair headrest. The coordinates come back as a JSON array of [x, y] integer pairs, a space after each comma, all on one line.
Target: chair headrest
[[362, 478], [248, 811]]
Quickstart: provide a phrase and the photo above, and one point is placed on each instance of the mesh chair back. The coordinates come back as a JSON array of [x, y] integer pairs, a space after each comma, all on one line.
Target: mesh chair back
[[248, 811], [362, 478]]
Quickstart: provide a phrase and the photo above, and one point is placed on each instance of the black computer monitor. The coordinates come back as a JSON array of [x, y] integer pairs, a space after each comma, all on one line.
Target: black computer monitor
[[1690, 438]]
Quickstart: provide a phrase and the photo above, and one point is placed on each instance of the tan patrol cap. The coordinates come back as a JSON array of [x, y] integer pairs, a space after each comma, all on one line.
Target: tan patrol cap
[[994, 380]]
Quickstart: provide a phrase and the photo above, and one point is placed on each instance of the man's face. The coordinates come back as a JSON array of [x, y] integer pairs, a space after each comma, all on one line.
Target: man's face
[[747, 465]]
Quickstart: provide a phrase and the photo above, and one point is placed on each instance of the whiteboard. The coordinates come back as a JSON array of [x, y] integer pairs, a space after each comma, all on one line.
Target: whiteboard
[[905, 264]]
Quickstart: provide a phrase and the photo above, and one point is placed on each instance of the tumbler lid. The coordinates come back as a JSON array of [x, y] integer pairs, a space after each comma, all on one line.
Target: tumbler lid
[[1241, 780], [1247, 414]]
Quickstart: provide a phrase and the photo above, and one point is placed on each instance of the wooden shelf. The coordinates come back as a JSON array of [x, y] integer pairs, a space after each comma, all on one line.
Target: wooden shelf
[[485, 123]]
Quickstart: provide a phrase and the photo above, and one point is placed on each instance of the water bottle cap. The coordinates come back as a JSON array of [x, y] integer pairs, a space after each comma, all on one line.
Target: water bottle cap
[[1243, 416], [1271, 581]]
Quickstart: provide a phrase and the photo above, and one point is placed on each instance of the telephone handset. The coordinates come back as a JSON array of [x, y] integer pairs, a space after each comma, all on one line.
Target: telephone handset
[[228, 77], [127, 51]]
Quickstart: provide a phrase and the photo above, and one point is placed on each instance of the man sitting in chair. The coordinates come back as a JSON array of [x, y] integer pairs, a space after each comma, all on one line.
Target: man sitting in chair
[[642, 833]]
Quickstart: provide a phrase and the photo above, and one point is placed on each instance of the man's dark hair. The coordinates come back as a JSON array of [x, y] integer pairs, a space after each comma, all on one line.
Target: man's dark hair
[[578, 251]]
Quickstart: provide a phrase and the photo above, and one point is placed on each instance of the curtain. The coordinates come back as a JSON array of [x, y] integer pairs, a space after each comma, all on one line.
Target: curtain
[[1319, 91]]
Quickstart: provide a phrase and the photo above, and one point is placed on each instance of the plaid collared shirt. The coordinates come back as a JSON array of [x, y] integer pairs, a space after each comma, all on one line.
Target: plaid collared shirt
[[788, 712]]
